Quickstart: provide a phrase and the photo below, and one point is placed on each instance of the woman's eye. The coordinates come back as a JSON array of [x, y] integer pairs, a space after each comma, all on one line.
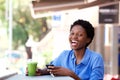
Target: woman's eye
[[71, 33], [79, 34]]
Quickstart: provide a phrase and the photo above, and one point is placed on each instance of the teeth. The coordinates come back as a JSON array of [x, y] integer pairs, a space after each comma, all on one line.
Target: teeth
[[74, 41]]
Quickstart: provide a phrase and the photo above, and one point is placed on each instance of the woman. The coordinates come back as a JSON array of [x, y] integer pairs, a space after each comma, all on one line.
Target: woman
[[80, 62]]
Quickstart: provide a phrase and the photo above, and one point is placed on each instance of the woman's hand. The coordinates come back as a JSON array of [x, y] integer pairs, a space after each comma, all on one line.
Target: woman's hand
[[61, 71], [58, 71]]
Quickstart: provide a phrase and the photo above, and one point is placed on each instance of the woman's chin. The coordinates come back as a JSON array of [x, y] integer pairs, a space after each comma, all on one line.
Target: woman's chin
[[73, 48]]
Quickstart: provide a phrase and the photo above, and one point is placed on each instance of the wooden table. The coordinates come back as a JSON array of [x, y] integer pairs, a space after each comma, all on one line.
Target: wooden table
[[45, 77]]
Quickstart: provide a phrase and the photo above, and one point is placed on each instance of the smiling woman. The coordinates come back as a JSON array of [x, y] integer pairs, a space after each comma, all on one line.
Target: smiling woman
[[79, 62]]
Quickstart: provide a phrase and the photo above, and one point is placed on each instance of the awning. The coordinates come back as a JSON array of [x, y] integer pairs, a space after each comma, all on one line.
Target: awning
[[46, 6]]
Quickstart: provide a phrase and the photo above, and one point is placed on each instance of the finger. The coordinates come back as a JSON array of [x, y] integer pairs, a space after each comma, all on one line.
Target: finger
[[26, 74], [50, 67], [49, 70], [38, 73], [52, 74], [54, 67]]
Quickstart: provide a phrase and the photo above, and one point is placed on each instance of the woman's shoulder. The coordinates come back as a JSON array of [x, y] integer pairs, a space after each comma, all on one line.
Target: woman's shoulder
[[95, 58], [66, 52], [94, 53]]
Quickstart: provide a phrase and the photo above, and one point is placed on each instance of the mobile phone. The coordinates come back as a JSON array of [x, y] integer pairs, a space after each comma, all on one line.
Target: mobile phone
[[49, 65], [50, 68]]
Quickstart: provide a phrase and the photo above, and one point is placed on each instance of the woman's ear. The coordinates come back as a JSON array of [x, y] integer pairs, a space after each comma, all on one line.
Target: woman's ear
[[88, 40]]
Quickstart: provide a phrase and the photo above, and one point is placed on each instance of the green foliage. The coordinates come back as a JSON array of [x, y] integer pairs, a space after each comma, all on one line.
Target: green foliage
[[2, 14], [2, 9], [20, 36], [24, 25]]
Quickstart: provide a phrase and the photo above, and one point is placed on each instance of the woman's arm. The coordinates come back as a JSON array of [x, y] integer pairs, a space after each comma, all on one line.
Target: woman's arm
[[73, 75], [97, 69], [61, 71]]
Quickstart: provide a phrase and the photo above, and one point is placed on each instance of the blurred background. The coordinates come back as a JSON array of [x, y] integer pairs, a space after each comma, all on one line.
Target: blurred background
[[38, 30]]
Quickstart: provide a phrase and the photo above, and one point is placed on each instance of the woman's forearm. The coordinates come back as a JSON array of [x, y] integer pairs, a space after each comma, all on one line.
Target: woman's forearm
[[73, 75]]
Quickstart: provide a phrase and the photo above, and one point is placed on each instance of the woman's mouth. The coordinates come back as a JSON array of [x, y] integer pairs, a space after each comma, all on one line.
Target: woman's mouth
[[74, 43]]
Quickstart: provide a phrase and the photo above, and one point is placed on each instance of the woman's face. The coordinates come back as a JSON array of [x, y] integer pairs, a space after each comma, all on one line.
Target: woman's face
[[78, 37]]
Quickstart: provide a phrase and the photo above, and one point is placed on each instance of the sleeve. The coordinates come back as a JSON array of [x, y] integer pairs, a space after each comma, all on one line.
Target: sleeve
[[97, 68], [57, 61]]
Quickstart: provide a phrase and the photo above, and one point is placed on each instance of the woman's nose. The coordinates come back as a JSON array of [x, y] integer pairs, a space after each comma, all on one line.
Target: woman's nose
[[75, 36]]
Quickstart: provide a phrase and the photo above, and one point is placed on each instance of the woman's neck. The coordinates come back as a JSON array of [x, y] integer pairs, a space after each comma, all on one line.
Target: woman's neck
[[79, 55]]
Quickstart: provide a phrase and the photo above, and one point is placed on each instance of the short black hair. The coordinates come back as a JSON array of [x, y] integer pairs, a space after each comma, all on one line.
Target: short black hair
[[87, 26]]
